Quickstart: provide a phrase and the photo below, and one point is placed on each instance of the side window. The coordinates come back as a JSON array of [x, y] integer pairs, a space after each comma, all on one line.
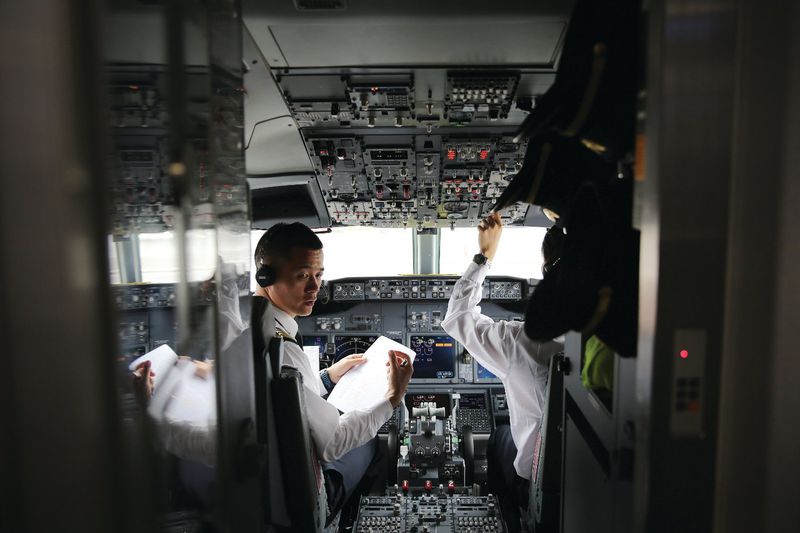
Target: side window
[[159, 260]]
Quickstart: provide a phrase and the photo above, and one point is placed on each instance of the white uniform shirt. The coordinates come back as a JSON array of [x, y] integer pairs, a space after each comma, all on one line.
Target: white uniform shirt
[[504, 350], [333, 434]]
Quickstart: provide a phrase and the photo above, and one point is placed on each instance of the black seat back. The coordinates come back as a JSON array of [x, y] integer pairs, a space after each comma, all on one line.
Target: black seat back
[[544, 502], [282, 427], [295, 445]]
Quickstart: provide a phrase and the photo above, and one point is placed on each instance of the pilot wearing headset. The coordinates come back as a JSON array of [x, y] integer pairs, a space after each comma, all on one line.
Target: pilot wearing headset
[[520, 363], [289, 259]]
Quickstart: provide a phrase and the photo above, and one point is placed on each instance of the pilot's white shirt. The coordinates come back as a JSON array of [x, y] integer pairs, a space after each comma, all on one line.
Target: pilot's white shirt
[[333, 434], [503, 349]]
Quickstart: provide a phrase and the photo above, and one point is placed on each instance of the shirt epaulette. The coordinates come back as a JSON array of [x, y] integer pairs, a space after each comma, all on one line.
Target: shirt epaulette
[[285, 336]]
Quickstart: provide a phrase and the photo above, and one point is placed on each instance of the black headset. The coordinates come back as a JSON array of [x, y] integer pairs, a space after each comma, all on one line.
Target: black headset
[[265, 276]]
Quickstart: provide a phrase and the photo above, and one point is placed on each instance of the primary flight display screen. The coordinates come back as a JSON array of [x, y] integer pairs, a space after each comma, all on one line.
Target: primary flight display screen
[[316, 340], [436, 356]]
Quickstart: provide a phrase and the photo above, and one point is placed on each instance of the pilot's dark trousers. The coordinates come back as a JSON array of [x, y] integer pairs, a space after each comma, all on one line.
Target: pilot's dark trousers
[[355, 469], [503, 478]]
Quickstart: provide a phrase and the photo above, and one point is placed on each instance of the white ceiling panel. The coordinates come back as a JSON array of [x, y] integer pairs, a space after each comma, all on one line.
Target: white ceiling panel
[[441, 43], [409, 33], [272, 139]]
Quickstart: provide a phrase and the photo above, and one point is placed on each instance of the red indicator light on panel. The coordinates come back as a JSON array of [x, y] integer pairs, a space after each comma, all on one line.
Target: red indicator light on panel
[[451, 154], [484, 154], [684, 354]]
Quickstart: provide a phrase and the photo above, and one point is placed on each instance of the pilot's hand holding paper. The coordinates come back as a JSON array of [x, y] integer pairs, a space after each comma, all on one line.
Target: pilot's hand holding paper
[[366, 384]]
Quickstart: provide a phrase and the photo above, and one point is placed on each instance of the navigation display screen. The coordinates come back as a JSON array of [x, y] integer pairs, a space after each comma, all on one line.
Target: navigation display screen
[[436, 356], [345, 345]]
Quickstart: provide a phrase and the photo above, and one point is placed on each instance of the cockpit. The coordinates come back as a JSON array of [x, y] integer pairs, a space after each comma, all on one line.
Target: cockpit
[[528, 282]]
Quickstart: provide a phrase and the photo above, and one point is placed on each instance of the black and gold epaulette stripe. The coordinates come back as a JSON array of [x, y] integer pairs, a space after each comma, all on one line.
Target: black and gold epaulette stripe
[[285, 336]]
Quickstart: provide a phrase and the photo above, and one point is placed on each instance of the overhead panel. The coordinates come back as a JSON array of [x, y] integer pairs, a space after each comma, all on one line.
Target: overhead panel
[[406, 113]]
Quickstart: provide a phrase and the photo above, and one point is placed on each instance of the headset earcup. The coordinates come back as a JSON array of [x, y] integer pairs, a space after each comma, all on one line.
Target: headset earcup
[[265, 276]]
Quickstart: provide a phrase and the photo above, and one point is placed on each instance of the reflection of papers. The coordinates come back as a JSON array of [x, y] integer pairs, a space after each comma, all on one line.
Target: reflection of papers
[[161, 361], [313, 356], [193, 401], [366, 385], [168, 388], [182, 396]]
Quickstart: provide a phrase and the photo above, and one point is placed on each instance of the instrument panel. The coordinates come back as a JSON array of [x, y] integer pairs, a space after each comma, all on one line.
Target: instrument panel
[[409, 310], [433, 512]]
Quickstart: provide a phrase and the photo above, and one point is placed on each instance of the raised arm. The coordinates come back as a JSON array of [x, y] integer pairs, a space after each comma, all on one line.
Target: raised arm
[[485, 339]]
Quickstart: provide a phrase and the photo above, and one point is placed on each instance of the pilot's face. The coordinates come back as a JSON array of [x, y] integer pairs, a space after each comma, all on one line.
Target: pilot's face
[[298, 282]]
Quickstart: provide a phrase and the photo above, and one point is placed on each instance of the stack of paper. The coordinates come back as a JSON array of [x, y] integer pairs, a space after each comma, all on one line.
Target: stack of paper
[[366, 384]]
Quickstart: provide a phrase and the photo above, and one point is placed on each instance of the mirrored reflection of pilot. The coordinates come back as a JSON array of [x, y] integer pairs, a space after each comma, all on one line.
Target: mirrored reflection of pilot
[[520, 363], [187, 422], [345, 445]]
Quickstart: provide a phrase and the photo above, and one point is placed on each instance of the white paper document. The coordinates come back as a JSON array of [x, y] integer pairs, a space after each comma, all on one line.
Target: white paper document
[[366, 384], [161, 361]]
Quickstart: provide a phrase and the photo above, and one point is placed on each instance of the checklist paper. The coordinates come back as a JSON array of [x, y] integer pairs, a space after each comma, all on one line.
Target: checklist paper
[[366, 384]]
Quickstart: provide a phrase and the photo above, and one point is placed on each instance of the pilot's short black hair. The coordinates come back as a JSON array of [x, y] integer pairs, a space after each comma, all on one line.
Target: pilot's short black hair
[[278, 241], [551, 247]]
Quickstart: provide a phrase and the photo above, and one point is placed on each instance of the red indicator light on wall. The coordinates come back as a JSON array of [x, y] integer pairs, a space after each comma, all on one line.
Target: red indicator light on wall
[[484, 154], [684, 354], [451, 154]]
